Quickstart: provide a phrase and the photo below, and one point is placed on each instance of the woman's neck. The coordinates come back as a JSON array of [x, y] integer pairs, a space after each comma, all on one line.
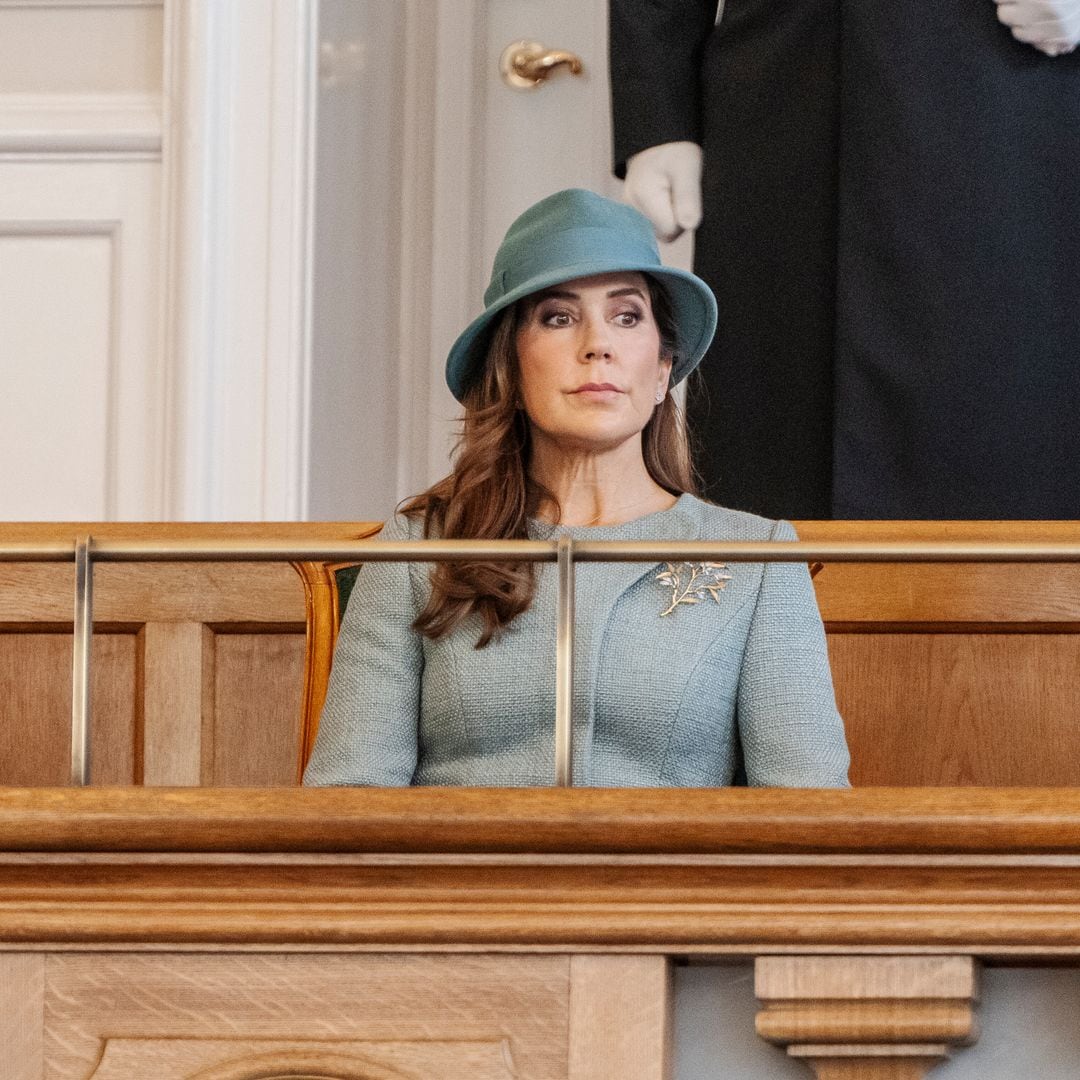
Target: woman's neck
[[597, 489]]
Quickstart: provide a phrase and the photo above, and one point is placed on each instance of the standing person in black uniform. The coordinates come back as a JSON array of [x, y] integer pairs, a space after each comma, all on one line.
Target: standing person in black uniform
[[889, 226]]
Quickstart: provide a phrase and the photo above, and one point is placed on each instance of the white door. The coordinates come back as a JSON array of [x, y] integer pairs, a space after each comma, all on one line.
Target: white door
[[557, 135], [495, 151], [552, 137]]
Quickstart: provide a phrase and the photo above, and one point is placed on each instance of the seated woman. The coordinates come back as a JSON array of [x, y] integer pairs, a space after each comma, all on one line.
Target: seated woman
[[684, 674]]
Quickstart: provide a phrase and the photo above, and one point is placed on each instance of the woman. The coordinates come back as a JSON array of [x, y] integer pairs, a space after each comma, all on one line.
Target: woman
[[683, 674]]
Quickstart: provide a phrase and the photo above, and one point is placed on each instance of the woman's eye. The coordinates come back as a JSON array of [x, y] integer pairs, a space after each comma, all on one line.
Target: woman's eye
[[628, 318], [556, 318]]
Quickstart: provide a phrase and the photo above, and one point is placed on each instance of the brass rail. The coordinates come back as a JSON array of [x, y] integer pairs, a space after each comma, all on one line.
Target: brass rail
[[86, 551], [546, 551]]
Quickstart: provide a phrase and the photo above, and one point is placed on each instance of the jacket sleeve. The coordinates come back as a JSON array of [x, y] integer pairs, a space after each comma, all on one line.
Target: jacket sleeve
[[791, 732], [655, 51], [368, 729]]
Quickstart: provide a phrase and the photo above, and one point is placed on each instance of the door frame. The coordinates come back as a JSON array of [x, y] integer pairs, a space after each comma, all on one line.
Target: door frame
[[237, 241]]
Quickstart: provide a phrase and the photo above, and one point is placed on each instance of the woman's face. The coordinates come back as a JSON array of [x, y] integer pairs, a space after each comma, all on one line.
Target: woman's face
[[589, 360]]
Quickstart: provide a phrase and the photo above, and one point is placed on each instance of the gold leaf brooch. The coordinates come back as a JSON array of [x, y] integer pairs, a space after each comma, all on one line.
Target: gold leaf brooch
[[692, 582]]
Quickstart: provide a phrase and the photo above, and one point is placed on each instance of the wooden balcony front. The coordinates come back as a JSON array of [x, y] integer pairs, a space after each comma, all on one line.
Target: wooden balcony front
[[195, 916]]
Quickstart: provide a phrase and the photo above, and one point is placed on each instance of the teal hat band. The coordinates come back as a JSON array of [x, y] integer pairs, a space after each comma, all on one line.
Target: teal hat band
[[575, 234]]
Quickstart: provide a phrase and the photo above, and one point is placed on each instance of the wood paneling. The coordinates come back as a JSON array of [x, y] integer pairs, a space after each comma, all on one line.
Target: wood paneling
[[955, 674], [43, 48], [35, 708], [79, 247], [302, 1059], [22, 1010], [198, 667], [258, 680], [56, 415], [474, 1001], [370, 934], [950, 709], [946, 675], [173, 657]]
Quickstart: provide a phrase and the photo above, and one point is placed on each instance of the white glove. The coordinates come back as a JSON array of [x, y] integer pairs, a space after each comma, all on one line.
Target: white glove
[[664, 183], [1052, 26]]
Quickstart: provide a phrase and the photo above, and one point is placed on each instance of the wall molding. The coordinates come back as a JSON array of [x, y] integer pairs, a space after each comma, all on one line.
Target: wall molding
[[72, 125], [239, 193], [79, 3]]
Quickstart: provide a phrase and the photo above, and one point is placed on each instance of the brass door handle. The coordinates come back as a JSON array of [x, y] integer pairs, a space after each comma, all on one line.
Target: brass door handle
[[526, 64]]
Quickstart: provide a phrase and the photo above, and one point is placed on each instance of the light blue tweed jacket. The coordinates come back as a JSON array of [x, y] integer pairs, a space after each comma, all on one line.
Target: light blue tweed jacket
[[681, 700]]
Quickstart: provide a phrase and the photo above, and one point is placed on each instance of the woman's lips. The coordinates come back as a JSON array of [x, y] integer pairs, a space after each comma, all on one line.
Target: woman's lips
[[597, 388]]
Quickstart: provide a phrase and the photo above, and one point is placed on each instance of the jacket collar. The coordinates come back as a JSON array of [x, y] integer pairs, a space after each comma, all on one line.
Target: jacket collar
[[603, 583]]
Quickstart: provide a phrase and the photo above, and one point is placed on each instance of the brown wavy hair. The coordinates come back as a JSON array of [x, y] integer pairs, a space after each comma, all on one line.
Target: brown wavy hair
[[489, 495]]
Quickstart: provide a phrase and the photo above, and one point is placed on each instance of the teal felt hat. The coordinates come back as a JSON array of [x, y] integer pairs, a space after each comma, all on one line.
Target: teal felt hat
[[574, 234]]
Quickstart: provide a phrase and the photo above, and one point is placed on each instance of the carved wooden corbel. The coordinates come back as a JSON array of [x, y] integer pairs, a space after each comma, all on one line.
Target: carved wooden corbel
[[867, 1017]]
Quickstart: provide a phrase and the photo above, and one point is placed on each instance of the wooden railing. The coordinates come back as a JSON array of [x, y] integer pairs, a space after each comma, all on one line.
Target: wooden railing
[[268, 931], [957, 584], [867, 913]]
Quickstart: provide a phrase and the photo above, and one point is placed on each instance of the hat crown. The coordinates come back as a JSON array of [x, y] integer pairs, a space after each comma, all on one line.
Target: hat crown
[[567, 229]]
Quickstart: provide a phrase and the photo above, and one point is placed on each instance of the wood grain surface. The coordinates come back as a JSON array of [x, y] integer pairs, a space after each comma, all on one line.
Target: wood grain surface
[[22, 1010], [301, 1059], [955, 709], [197, 667], [545, 820], [620, 1017], [35, 708], [982, 872], [946, 675], [867, 1018], [784, 978], [522, 1001], [258, 679], [173, 656]]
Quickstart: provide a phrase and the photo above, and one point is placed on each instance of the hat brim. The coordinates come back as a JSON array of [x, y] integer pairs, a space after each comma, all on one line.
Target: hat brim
[[694, 309]]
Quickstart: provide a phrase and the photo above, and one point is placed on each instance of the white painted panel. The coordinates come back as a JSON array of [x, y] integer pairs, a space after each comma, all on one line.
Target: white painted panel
[[557, 135], [56, 356], [76, 48], [356, 369], [79, 340], [1030, 1027]]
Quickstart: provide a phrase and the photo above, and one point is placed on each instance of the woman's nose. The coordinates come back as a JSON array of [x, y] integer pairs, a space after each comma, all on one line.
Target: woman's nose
[[596, 344]]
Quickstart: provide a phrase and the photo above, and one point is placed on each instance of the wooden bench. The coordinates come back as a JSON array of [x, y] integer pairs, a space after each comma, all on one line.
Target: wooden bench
[[946, 674]]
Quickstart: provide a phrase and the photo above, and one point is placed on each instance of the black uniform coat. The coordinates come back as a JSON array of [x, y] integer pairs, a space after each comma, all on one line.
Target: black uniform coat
[[892, 191]]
